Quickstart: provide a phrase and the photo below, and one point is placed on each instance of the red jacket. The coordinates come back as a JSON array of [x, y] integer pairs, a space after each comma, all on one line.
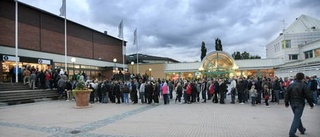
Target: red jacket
[[48, 76], [189, 90]]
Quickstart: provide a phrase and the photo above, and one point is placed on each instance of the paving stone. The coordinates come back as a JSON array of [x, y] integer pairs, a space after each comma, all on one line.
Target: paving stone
[[62, 119]]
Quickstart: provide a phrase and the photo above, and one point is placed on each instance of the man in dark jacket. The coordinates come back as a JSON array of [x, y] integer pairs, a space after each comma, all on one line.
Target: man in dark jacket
[[222, 90], [297, 92], [313, 89]]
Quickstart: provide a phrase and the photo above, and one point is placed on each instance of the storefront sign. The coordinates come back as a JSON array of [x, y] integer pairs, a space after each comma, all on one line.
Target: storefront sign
[[10, 58], [44, 61]]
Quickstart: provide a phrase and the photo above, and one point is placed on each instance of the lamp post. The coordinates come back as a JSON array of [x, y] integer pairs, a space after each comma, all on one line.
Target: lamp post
[[73, 60], [150, 72], [115, 60], [132, 63], [201, 71]]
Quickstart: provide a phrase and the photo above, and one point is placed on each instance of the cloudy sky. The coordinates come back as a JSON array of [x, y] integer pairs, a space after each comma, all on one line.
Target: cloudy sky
[[176, 28]]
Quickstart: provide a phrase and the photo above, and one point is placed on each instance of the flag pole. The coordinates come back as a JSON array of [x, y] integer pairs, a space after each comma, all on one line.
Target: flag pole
[[123, 54], [16, 38], [65, 37], [120, 28], [137, 51]]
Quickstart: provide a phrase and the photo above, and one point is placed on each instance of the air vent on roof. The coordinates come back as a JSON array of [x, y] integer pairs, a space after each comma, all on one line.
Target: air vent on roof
[[106, 32], [313, 27]]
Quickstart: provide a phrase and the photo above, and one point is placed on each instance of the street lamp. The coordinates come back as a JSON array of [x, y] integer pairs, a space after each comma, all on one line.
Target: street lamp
[[201, 71], [115, 60], [132, 63], [73, 60], [150, 71]]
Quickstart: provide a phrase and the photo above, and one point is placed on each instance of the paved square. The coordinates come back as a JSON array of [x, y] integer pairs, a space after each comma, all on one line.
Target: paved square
[[60, 119]]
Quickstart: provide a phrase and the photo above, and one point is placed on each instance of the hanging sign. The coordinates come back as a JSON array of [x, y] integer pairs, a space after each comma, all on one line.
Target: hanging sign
[[44, 61], [10, 58]]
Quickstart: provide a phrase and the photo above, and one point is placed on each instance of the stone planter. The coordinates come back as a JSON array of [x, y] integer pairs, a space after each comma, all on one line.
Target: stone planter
[[82, 98]]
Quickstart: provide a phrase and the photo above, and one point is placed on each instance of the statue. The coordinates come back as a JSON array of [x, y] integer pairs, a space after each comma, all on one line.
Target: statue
[[218, 45]]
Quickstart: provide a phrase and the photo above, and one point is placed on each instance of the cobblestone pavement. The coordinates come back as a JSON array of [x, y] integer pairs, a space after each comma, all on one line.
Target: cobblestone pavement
[[62, 119]]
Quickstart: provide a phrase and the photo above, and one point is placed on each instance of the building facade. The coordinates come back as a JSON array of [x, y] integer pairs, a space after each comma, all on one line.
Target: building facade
[[296, 49], [41, 43]]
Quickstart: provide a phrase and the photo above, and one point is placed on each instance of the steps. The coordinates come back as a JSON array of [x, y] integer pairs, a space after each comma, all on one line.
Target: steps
[[13, 86], [18, 93]]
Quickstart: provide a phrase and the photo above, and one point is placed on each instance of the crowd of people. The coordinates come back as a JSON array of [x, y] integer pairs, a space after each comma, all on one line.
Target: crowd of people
[[149, 91], [241, 89], [42, 79]]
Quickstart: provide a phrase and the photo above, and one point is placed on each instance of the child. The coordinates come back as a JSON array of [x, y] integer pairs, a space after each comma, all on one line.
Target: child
[[253, 95], [266, 94]]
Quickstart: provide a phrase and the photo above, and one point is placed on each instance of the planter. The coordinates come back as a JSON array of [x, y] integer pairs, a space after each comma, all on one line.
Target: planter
[[82, 98]]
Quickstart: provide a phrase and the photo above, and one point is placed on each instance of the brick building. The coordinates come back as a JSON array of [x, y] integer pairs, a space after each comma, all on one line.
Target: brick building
[[41, 43]]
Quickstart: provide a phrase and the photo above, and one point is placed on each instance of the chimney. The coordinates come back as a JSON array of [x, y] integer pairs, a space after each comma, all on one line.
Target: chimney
[[106, 32]]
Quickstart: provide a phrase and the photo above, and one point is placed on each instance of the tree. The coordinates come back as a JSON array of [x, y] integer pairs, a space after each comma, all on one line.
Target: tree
[[245, 55], [203, 50], [236, 55], [218, 45]]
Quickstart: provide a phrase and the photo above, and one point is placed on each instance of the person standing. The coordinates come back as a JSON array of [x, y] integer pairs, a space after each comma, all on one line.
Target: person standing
[[297, 93], [179, 92], [165, 93], [276, 89], [233, 86], [133, 93], [313, 89], [204, 90], [253, 94], [222, 90], [266, 95], [33, 77], [126, 92], [216, 91], [142, 92], [116, 90], [26, 76]]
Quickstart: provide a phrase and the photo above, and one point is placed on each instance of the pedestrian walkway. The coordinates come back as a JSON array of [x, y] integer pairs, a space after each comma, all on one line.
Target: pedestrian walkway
[[61, 119]]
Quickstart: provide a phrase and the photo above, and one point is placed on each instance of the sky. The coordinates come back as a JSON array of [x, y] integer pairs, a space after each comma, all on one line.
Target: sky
[[176, 28]]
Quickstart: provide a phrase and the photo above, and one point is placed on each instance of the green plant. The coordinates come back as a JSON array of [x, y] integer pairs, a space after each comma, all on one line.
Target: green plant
[[81, 85]]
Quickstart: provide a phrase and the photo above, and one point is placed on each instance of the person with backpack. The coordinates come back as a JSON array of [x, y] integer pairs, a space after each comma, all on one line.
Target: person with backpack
[[211, 90], [188, 92], [68, 90], [61, 85]]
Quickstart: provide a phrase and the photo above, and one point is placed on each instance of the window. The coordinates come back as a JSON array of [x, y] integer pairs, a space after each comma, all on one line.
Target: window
[[317, 52], [293, 57], [308, 54], [286, 44]]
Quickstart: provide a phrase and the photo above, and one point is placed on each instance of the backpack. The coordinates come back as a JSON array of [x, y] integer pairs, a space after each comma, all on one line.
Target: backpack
[[211, 89], [62, 83]]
